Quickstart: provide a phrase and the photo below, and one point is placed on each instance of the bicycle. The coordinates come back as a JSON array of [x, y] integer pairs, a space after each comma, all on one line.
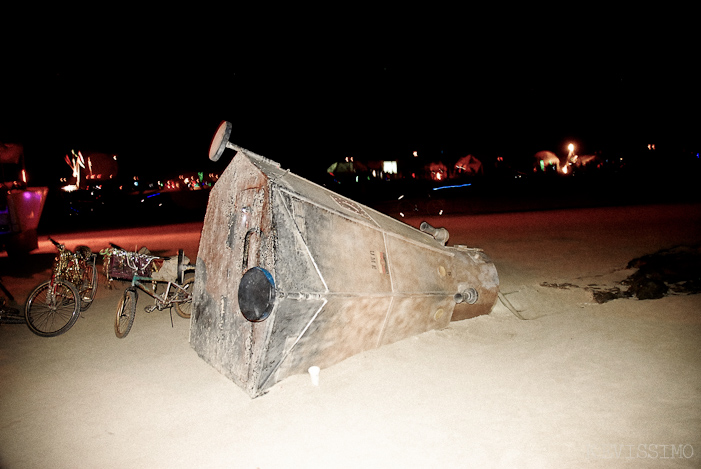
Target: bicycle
[[9, 314], [54, 306], [429, 206], [144, 268]]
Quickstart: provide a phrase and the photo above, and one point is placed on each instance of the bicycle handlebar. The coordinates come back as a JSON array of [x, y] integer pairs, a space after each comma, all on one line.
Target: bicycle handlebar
[[56, 243]]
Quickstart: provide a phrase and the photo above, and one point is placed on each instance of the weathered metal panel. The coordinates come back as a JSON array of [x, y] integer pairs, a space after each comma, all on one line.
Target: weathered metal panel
[[319, 277]]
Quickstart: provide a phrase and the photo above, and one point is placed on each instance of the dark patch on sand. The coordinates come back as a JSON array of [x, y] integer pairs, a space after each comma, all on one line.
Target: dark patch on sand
[[668, 271]]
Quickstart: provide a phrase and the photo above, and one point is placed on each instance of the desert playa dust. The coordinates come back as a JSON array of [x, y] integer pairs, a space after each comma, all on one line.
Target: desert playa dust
[[551, 378]]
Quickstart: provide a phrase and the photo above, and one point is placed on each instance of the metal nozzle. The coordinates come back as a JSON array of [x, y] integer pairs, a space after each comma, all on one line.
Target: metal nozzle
[[469, 296], [439, 234]]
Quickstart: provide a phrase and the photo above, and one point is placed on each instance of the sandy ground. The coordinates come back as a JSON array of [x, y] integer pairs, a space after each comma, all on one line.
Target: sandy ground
[[574, 384]]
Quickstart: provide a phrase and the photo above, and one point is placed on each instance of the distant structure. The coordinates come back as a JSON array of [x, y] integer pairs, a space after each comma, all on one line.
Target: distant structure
[[93, 167], [469, 166], [545, 161], [548, 161]]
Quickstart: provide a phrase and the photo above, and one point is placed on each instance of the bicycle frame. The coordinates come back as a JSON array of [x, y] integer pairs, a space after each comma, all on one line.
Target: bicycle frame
[[141, 269], [54, 306], [161, 301], [69, 267]]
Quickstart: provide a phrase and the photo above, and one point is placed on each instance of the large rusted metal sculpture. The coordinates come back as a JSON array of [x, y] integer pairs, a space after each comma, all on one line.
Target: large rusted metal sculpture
[[290, 275]]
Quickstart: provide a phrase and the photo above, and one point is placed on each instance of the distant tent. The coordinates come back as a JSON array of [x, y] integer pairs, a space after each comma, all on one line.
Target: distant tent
[[469, 165], [438, 171], [545, 159], [349, 166], [584, 160]]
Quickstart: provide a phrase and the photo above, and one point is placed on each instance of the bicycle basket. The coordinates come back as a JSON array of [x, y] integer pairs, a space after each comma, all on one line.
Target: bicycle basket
[[124, 265]]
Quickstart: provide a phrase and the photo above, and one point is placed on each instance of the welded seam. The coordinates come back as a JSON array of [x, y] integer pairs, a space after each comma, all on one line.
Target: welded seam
[[375, 225], [304, 243], [299, 337], [381, 335], [391, 283]]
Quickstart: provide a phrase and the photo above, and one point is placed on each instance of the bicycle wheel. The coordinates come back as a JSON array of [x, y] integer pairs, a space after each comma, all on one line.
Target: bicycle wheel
[[52, 311], [436, 207], [88, 289], [126, 312], [409, 208], [184, 299]]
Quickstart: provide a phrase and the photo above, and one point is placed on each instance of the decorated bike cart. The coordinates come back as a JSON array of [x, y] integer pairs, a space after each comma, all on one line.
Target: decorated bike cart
[[161, 278]]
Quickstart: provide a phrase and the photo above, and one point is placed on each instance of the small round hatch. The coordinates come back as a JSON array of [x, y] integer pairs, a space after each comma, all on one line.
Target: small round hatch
[[256, 294]]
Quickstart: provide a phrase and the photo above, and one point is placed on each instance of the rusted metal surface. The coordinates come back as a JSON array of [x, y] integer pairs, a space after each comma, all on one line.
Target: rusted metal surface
[[290, 275]]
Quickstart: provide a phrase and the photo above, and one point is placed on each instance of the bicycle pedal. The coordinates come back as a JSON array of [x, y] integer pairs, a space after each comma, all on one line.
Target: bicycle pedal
[[149, 309]]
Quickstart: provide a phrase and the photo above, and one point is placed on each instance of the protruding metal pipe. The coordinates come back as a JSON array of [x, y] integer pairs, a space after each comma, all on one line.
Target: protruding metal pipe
[[469, 296], [439, 234]]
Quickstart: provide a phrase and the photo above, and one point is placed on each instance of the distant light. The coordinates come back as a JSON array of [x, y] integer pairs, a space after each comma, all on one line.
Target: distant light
[[451, 187], [69, 188], [389, 167], [416, 153]]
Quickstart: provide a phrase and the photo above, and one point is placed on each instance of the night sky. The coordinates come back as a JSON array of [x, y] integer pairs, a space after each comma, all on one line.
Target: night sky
[[307, 97]]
